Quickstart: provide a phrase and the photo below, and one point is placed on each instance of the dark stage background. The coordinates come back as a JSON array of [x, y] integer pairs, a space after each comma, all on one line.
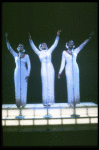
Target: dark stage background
[[42, 20]]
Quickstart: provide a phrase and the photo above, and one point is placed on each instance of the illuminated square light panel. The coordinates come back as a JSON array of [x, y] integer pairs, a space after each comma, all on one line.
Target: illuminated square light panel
[[68, 121], [28, 112], [40, 122], [54, 112], [81, 111], [12, 112], [12, 122], [66, 111], [26, 122], [40, 112], [54, 121], [94, 120], [83, 121], [93, 111]]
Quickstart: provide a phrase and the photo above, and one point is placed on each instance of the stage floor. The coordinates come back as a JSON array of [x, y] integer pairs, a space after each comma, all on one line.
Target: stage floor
[[55, 105], [58, 114]]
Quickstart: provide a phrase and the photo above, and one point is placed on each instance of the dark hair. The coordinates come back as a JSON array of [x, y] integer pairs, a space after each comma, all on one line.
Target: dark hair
[[67, 44], [70, 42], [22, 45]]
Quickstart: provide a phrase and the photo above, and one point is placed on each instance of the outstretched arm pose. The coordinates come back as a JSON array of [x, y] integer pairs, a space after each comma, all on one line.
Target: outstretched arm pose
[[21, 73], [47, 69], [77, 50]]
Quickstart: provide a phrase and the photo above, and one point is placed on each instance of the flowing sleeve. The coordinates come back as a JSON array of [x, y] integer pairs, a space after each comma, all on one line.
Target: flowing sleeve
[[34, 47], [54, 45], [28, 65], [78, 49], [11, 50], [62, 63]]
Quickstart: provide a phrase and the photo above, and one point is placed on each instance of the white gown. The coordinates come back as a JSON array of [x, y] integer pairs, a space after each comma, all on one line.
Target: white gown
[[72, 74], [20, 74], [47, 72]]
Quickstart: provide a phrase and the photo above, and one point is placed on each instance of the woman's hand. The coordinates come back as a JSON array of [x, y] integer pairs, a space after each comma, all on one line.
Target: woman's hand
[[27, 77], [29, 35], [58, 32], [59, 76], [91, 35], [6, 34]]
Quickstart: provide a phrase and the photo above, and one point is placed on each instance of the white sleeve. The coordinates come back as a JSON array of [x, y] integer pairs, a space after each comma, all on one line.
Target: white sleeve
[[28, 65], [62, 63], [11, 50], [78, 49], [54, 45], [34, 47]]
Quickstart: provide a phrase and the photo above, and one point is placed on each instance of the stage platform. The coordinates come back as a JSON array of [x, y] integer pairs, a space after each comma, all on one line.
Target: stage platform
[[59, 117]]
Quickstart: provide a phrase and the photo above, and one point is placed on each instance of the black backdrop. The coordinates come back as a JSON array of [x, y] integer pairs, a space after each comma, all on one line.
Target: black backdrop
[[42, 20]]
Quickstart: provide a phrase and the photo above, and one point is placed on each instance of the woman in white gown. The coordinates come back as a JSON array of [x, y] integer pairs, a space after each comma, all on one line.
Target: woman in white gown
[[47, 69], [21, 73], [71, 71]]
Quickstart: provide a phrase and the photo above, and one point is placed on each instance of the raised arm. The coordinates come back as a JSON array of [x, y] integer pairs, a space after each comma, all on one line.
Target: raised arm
[[77, 50], [55, 43], [10, 48], [62, 65], [33, 46]]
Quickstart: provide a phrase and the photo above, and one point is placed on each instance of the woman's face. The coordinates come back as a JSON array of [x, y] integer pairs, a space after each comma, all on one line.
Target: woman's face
[[70, 44], [20, 48], [44, 46]]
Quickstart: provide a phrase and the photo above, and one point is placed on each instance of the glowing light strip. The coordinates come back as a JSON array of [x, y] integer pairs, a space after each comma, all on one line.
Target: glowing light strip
[[50, 121]]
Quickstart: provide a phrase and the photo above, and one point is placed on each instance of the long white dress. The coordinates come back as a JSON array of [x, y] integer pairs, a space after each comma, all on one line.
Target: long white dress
[[20, 74], [72, 74], [47, 72]]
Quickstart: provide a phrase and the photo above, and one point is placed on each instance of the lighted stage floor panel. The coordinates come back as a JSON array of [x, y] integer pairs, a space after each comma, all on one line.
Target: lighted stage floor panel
[[60, 115]]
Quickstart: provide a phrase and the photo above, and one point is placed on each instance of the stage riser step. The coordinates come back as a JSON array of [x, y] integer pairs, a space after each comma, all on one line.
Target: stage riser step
[[57, 114], [63, 112], [49, 121]]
